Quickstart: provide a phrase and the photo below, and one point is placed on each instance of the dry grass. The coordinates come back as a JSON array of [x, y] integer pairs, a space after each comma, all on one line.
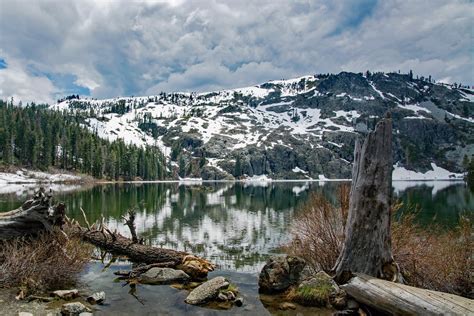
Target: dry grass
[[48, 262], [318, 231], [433, 258], [429, 257]]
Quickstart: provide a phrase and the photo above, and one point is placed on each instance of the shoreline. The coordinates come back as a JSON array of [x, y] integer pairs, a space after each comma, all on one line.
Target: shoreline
[[29, 177]]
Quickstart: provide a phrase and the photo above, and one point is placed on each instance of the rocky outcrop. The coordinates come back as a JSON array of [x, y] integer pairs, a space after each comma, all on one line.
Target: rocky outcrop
[[279, 273], [310, 123]]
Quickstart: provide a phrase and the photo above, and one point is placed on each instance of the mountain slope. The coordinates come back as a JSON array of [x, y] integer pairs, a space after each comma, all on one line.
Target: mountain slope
[[298, 128]]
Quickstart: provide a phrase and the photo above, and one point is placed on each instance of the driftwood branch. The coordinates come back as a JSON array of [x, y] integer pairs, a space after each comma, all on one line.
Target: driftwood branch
[[130, 222]]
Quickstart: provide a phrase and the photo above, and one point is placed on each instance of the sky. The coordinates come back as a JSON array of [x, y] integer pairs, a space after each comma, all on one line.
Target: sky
[[103, 49]]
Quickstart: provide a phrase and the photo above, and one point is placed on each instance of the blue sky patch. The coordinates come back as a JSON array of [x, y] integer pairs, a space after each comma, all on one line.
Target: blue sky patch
[[3, 63]]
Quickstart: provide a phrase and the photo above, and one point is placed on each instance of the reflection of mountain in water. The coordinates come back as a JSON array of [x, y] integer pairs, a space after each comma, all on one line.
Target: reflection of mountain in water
[[237, 225]]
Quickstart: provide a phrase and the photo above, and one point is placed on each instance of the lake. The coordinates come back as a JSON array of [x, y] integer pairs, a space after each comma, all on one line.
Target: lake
[[235, 225]]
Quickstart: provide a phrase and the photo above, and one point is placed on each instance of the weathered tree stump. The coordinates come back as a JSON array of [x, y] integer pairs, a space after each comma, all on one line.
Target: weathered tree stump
[[367, 244], [34, 216]]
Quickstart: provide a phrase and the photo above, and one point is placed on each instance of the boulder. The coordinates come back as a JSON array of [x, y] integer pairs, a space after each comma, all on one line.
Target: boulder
[[73, 309], [66, 294], [207, 291], [96, 298], [279, 273], [163, 276], [316, 291]]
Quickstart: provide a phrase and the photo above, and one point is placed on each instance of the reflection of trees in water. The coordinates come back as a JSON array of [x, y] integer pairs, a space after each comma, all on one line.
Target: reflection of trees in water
[[444, 206], [234, 224]]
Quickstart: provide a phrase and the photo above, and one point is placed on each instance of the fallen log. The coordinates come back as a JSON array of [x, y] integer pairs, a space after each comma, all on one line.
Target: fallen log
[[399, 299], [38, 214], [35, 215], [115, 243]]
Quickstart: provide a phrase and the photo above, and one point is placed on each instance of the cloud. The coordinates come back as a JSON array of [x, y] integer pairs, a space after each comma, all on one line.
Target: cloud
[[17, 83], [112, 48]]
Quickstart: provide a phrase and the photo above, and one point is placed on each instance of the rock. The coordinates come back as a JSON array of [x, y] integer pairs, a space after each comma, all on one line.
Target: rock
[[86, 314], [207, 291], [124, 273], [66, 294], [239, 302], [24, 314], [163, 276], [286, 305], [73, 309], [96, 298], [279, 273], [316, 291]]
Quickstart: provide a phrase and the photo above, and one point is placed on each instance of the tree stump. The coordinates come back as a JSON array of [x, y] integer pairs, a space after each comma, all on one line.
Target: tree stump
[[367, 244]]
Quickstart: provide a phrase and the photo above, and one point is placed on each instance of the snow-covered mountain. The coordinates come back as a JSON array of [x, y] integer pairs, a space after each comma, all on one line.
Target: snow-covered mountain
[[298, 128]]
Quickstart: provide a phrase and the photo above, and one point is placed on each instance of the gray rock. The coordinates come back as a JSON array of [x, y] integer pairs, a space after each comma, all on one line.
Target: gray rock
[[66, 294], [97, 298], [163, 276], [279, 273], [73, 309], [207, 291], [24, 314], [86, 314]]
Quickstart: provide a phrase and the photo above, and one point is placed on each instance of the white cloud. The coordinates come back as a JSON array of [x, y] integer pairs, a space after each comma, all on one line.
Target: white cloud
[[17, 83], [142, 47]]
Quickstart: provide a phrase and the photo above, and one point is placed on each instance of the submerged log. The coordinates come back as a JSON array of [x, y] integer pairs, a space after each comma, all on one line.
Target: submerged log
[[399, 299], [367, 244], [34, 216]]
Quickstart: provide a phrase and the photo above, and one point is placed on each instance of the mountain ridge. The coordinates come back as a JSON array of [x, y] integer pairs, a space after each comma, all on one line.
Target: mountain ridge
[[302, 128]]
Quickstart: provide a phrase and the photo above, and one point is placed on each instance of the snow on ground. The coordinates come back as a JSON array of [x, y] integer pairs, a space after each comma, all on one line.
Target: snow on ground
[[437, 173], [298, 170], [469, 119], [376, 90], [27, 189], [414, 107], [25, 176]]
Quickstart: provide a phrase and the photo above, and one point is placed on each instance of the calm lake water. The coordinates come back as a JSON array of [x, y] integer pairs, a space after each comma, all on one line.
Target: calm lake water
[[235, 225]]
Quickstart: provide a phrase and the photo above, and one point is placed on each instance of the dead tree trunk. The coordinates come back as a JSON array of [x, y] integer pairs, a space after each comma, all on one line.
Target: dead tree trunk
[[367, 244], [34, 216]]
